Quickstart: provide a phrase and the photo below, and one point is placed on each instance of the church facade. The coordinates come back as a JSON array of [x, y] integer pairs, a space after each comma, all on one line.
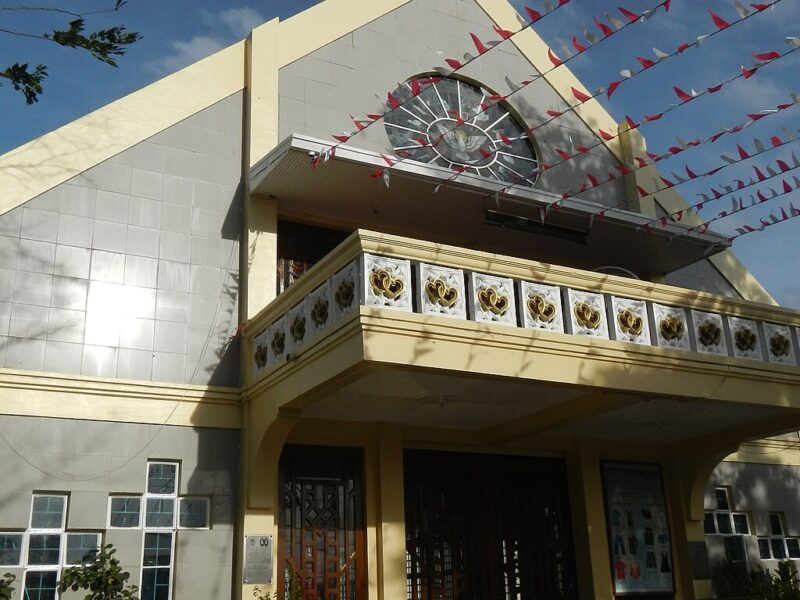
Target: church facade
[[259, 360]]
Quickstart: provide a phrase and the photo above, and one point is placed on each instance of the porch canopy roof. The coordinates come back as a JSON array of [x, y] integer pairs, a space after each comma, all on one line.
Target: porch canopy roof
[[466, 211]]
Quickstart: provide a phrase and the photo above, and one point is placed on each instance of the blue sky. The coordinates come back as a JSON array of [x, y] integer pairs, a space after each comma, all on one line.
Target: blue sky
[[177, 33]]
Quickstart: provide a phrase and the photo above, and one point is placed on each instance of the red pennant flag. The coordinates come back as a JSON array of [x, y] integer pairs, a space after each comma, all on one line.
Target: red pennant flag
[[653, 156], [458, 118], [376, 174], [631, 123], [642, 191], [645, 62], [415, 87], [592, 179], [612, 87], [554, 113], [761, 196], [601, 215], [575, 44], [622, 169], [675, 150], [359, 125], [759, 174], [503, 33], [667, 182], [506, 140], [667, 4], [453, 63], [421, 141], [679, 215], [479, 45], [715, 89], [647, 229], [784, 216], [611, 176], [315, 162], [628, 14], [748, 73], [553, 58], [581, 96], [690, 173], [393, 102], [766, 56], [786, 187], [663, 221], [681, 94], [742, 153], [341, 138], [387, 160], [605, 135], [607, 31], [655, 117], [783, 166], [533, 15], [718, 21], [760, 7], [739, 184], [716, 136], [485, 153], [683, 47], [375, 117], [756, 116], [562, 154], [582, 149], [776, 141], [563, 2], [640, 161], [714, 171]]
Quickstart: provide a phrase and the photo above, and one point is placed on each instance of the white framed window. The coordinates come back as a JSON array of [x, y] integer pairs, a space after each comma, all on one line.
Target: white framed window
[[124, 512], [193, 512], [48, 512], [730, 526], [162, 478], [158, 549], [11, 543], [158, 545], [82, 548], [777, 546]]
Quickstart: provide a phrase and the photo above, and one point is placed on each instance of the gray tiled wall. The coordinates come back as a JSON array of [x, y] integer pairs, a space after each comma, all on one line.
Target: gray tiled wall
[[130, 269], [353, 74], [88, 460]]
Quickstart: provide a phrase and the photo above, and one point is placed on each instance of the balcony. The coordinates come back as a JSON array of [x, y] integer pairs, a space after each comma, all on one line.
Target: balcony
[[387, 328]]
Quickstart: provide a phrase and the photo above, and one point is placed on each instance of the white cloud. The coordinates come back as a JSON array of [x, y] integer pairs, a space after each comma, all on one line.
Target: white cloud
[[224, 28]]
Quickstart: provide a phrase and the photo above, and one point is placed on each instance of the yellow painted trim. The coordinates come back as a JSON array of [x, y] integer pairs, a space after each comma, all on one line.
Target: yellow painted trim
[[325, 22], [562, 79], [52, 159], [24, 393]]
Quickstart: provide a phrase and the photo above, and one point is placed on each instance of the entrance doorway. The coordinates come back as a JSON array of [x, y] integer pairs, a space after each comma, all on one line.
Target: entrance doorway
[[485, 527], [321, 551]]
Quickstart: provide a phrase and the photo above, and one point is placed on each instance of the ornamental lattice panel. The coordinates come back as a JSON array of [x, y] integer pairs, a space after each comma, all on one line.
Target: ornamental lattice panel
[[321, 545]]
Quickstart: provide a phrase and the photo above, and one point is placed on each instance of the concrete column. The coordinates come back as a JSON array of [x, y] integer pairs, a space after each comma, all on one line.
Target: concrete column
[[392, 529]]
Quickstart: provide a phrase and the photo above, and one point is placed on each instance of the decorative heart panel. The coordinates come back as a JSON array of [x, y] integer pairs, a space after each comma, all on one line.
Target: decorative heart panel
[[441, 291], [780, 348], [709, 333], [671, 327], [746, 338], [631, 323], [387, 282], [540, 306], [587, 314], [492, 299], [344, 291]]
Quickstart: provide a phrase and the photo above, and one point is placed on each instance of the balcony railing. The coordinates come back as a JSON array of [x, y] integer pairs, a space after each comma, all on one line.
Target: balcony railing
[[399, 274]]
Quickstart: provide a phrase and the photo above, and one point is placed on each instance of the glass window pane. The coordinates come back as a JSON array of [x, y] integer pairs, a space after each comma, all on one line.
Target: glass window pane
[[793, 546], [40, 585], [740, 524], [82, 547], [734, 548], [10, 548], [44, 549], [125, 511], [161, 478], [47, 512], [709, 526], [722, 499], [724, 523], [157, 550], [775, 525], [155, 584], [193, 513], [160, 512], [763, 549], [778, 549]]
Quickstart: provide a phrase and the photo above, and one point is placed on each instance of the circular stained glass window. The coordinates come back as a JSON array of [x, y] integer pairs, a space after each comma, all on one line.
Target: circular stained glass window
[[453, 124]]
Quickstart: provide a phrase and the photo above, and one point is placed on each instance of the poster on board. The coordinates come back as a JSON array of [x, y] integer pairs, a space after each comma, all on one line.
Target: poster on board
[[638, 529]]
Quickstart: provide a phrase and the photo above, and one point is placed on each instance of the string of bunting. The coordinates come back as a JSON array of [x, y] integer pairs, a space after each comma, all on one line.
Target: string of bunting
[[760, 59], [416, 85]]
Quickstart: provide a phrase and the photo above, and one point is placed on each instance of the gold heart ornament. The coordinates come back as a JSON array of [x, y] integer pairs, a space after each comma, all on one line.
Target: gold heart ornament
[[298, 328], [261, 356], [440, 293], [780, 345], [746, 339], [493, 301], [385, 284], [344, 294], [319, 312], [709, 334], [630, 323], [278, 342], [587, 316], [671, 328], [540, 309]]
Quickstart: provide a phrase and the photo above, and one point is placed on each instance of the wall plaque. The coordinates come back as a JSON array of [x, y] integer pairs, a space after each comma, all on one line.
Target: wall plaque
[[638, 529], [257, 559]]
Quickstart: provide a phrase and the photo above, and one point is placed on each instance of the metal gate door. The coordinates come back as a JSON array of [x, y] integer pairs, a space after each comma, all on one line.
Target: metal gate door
[[484, 527], [321, 549]]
